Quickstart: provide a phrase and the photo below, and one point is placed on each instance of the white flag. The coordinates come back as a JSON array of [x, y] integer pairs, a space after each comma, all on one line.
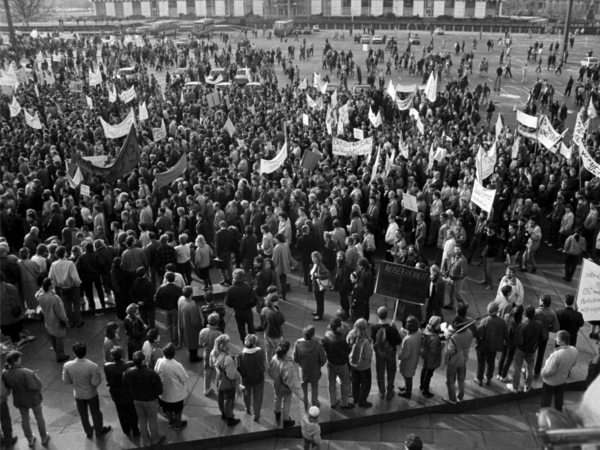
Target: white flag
[[33, 121], [340, 127], [89, 101], [376, 165], [592, 110], [499, 126], [15, 108], [303, 85], [389, 162], [431, 88], [316, 80], [334, 99], [375, 119], [128, 95], [112, 94], [95, 78], [565, 151], [37, 91], [515, 148], [143, 112], [391, 90]]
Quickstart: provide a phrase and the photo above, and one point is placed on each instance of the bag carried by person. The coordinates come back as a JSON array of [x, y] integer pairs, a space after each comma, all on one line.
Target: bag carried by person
[[223, 382], [382, 346]]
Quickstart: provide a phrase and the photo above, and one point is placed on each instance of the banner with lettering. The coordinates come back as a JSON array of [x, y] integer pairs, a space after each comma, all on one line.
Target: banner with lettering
[[95, 78], [358, 148], [588, 291], [159, 134], [120, 130], [128, 95], [33, 121], [482, 197], [271, 165]]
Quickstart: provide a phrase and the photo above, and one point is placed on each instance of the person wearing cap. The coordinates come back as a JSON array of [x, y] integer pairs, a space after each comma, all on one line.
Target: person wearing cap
[[309, 425], [490, 336], [241, 298], [556, 371]]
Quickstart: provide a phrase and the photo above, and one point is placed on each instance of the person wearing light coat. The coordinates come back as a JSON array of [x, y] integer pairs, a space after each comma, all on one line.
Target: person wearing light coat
[[410, 352], [189, 322], [55, 318]]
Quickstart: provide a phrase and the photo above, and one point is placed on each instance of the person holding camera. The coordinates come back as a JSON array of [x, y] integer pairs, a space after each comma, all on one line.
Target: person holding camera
[[55, 318]]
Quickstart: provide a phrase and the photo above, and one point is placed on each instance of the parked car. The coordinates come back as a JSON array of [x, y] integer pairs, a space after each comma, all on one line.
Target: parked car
[[316, 29], [365, 39], [359, 87], [307, 30], [439, 31], [377, 39], [415, 40], [242, 77], [213, 76], [589, 61], [127, 72]]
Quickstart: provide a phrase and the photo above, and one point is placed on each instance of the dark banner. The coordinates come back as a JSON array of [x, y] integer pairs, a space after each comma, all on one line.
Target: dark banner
[[403, 282]]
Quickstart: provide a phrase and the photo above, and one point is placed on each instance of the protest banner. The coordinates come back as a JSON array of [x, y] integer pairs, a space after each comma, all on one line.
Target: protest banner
[[14, 107], [482, 197], [89, 102], [406, 89], [343, 111], [405, 104], [305, 120], [358, 134], [527, 120], [159, 134], [580, 129], [588, 291], [499, 126], [588, 162], [375, 119], [565, 151], [84, 190], [112, 94], [213, 100], [76, 86], [365, 47], [410, 202], [95, 78], [120, 130], [230, 127], [358, 148], [402, 282], [128, 95], [547, 135], [310, 160], [33, 121], [165, 178], [271, 165]]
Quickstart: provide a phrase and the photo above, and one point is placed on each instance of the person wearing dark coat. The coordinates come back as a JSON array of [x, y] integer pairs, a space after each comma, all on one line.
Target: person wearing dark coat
[[113, 372], [142, 294], [490, 337], [342, 284], [569, 319], [120, 282], [436, 294], [89, 268], [241, 298]]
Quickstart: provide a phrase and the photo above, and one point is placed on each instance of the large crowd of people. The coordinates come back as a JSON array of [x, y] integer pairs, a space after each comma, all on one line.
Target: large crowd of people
[[136, 242]]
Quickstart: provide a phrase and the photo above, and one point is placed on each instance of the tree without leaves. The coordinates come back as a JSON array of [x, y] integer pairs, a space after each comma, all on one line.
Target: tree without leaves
[[29, 10]]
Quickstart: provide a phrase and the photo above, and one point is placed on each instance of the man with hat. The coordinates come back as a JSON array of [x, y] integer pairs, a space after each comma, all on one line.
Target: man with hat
[[242, 298], [556, 371]]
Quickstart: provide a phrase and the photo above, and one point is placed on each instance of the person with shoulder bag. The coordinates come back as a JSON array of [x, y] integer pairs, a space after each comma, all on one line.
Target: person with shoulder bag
[[283, 373], [320, 279], [360, 357]]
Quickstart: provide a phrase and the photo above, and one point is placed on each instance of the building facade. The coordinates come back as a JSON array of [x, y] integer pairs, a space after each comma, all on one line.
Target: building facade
[[273, 9]]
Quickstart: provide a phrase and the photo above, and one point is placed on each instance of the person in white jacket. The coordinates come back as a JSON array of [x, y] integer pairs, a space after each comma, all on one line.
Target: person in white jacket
[[173, 377], [556, 371]]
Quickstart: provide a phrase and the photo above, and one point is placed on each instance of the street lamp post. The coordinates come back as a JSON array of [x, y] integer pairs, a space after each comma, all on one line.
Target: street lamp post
[[567, 27]]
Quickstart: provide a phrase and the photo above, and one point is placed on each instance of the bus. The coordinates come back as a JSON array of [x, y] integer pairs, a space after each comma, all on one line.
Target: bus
[[283, 27], [164, 27], [204, 27]]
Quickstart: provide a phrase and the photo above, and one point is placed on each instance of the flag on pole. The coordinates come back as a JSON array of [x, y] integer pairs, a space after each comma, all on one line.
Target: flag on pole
[[303, 85], [375, 119], [143, 112], [89, 102], [376, 165], [592, 114], [391, 90], [15, 108], [431, 88], [499, 126]]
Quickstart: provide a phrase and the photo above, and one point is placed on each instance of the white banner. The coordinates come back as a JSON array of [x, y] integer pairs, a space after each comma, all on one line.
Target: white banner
[[343, 111], [269, 166], [95, 78], [410, 202], [128, 95], [89, 102], [565, 151], [375, 119], [588, 291], [33, 121], [588, 162], [358, 148], [405, 104], [527, 120], [67, 35], [499, 126], [482, 197], [159, 133], [358, 133], [303, 85], [14, 107], [409, 89], [547, 135], [334, 99], [580, 130], [305, 120], [314, 104], [120, 130], [84, 190], [431, 88], [143, 112], [8, 78]]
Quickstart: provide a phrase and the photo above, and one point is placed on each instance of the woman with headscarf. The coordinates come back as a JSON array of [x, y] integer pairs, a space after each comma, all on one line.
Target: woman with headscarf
[[30, 274], [227, 378], [120, 282]]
